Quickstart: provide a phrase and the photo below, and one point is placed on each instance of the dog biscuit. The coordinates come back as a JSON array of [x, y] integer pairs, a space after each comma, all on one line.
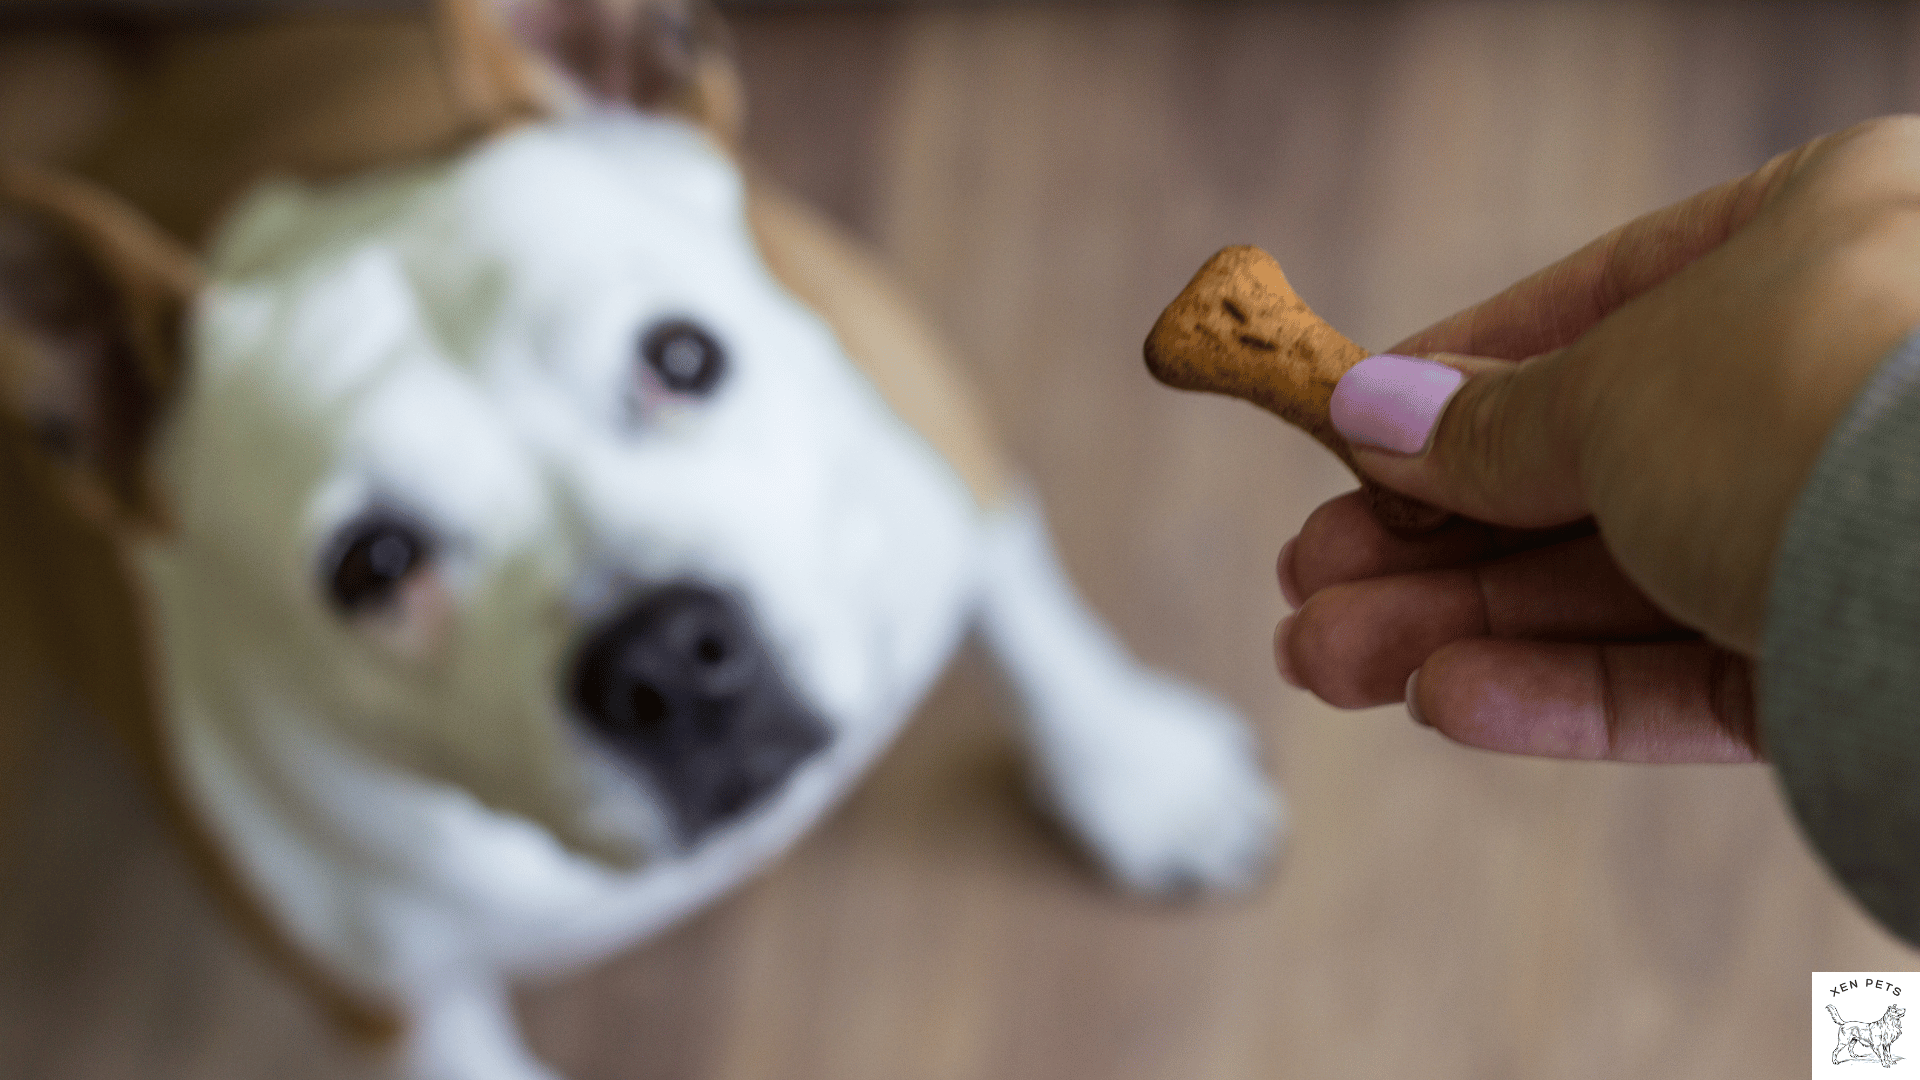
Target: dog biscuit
[[1239, 329]]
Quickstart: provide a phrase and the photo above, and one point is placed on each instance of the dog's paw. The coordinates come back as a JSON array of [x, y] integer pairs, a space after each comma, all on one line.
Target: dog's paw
[[465, 1032], [1164, 788]]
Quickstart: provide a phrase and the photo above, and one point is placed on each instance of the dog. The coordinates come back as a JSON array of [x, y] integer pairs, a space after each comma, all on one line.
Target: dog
[[500, 522], [1876, 1039]]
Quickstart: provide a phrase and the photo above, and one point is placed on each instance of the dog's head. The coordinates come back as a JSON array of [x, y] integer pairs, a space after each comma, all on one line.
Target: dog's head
[[518, 472]]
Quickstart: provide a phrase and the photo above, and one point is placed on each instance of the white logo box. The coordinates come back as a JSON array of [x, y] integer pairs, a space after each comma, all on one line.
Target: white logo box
[[1862, 999]]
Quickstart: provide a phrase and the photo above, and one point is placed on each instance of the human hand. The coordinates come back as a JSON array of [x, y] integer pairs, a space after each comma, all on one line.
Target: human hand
[[1634, 427]]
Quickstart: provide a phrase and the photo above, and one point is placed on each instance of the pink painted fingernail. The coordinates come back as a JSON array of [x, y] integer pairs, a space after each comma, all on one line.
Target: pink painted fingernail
[[1392, 402]]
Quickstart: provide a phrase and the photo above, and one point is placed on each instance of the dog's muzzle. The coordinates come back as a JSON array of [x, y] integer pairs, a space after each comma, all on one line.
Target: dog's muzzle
[[680, 685]]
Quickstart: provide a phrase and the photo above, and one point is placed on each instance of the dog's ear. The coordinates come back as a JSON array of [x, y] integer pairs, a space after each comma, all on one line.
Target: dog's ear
[[93, 305], [657, 55]]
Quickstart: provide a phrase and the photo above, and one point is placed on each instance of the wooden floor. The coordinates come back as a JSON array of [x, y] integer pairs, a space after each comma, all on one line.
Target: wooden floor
[[1047, 178]]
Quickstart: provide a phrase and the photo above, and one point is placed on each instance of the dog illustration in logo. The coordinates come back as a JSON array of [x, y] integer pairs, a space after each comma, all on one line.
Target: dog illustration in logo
[[1859, 1040]]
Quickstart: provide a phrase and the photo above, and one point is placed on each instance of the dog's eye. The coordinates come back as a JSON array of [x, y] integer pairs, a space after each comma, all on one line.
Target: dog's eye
[[375, 556], [683, 356]]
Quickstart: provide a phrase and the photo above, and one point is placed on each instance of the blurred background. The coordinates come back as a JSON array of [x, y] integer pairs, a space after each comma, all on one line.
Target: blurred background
[[1046, 178]]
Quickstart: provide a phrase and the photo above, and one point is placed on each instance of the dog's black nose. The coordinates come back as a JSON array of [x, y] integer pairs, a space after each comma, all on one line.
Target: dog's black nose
[[681, 685]]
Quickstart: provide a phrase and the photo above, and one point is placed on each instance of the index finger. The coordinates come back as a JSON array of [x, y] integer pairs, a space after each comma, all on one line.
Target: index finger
[[1343, 541], [1553, 307]]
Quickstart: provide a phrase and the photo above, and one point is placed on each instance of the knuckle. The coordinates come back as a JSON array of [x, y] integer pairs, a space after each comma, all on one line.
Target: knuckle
[[1858, 175], [1862, 267], [1896, 131]]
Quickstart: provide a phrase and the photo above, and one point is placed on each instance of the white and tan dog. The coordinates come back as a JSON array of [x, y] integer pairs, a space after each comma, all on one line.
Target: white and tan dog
[[513, 529]]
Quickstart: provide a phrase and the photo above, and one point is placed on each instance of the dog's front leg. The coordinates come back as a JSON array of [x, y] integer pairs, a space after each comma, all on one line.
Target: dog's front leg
[[465, 1031], [1160, 781]]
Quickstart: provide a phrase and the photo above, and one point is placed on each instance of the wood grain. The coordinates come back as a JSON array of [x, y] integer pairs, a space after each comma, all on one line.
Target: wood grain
[[1046, 178]]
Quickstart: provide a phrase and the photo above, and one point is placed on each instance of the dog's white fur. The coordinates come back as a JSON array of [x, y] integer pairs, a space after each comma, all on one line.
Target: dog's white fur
[[454, 343]]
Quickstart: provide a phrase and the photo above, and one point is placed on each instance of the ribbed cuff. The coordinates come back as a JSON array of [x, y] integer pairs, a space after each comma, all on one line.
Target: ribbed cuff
[[1840, 661]]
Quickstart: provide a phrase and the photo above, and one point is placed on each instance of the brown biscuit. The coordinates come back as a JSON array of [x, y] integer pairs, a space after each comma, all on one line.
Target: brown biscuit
[[1239, 329]]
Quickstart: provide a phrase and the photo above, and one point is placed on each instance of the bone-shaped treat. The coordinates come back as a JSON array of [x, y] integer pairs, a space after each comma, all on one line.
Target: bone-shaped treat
[[1239, 329]]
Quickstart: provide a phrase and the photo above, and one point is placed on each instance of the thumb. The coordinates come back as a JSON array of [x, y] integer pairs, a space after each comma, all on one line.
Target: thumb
[[1495, 440]]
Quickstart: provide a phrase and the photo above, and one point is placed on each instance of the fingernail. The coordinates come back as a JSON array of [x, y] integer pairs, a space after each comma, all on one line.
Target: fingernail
[[1392, 402], [1280, 660], [1413, 702], [1289, 588]]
